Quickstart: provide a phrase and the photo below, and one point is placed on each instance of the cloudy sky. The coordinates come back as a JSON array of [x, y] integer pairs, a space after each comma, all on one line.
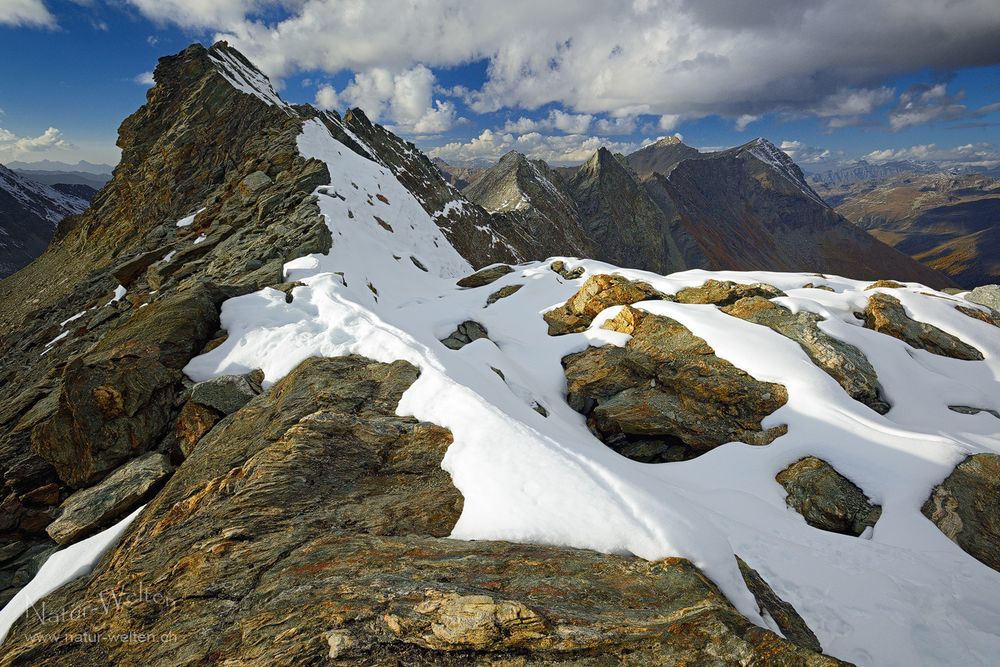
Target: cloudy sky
[[830, 81]]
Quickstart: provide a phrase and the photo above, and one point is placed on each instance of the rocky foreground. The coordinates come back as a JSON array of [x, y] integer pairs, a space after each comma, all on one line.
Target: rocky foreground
[[353, 448]]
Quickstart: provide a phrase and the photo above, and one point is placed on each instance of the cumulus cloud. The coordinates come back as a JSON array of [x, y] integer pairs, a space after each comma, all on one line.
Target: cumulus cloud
[[489, 146], [745, 119], [557, 119], [923, 103], [25, 13], [402, 99], [619, 57], [144, 79], [13, 146], [327, 98]]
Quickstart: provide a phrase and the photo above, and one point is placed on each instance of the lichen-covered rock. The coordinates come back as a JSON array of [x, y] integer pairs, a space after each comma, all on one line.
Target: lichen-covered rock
[[225, 394], [502, 293], [886, 314], [193, 422], [986, 295], [485, 276], [597, 293], [792, 625], [560, 267], [885, 284], [826, 499], [465, 333], [966, 507], [842, 361], [668, 385], [117, 399], [88, 510], [724, 292], [311, 526]]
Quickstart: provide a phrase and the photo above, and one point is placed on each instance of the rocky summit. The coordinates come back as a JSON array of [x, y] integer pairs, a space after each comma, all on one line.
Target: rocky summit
[[283, 395]]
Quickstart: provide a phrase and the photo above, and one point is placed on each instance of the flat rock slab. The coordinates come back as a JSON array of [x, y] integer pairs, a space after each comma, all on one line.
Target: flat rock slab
[[485, 276], [89, 510], [226, 393], [885, 314]]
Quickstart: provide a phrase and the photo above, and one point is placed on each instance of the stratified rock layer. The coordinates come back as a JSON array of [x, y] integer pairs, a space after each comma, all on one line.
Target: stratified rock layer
[[966, 507], [886, 315], [826, 499], [309, 528], [667, 389]]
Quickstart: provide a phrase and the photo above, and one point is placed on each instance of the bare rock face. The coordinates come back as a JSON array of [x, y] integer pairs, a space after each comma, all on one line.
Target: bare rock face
[[465, 333], [666, 389], [117, 399], [597, 293], [308, 527], [485, 276], [88, 510], [826, 499], [886, 314], [792, 625], [986, 295], [725, 293], [966, 507], [842, 361]]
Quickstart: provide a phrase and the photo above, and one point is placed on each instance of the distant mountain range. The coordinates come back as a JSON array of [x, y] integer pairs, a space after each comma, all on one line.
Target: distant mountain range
[[669, 207], [29, 213], [51, 165], [94, 181]]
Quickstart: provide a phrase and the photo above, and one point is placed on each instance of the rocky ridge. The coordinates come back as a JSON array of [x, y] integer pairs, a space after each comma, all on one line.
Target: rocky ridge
[[315, 484]]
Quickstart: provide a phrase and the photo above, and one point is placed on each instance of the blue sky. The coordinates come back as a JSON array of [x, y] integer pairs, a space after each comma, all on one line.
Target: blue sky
[[470, 80]]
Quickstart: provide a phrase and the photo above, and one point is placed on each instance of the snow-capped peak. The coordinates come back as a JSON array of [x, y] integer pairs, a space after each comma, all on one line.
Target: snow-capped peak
[[774, 157], [44, 201], [243, 76]]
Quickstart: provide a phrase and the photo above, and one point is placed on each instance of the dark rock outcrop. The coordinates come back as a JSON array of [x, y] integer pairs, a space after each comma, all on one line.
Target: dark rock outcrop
[[89, 510], [725, 293], [885, 314], [485, 276], [842, 361], [665, 394], [826, 499], [966, 507], [309, 527], [597, 293], [465, 333], [792, 625]]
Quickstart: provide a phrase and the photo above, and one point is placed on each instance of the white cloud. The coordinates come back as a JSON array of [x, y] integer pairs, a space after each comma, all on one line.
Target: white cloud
[[568, 123], [404, 98], [669, 121], [144, 79], [745, 119], [922, 103], [327, 98], [25, 13], [489, 146], [13, 146], [618, 57]]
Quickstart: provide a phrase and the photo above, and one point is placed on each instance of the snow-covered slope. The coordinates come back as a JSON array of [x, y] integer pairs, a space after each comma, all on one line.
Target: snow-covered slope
[[29, 212], [41, 200], [903, 595]]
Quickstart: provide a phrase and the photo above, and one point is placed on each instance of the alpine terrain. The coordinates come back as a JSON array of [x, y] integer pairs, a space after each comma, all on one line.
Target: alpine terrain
[[284, 395], [29, 212]]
